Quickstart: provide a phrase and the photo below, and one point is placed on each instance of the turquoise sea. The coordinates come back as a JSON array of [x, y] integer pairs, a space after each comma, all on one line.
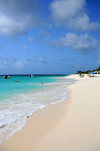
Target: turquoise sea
[[9, 87], [21, 96]]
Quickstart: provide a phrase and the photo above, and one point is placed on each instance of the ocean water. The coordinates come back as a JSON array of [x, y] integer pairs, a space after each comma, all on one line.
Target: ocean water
[[18, 100]]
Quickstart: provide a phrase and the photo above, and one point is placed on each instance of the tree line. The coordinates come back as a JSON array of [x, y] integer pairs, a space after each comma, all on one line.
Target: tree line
[[88, 71]]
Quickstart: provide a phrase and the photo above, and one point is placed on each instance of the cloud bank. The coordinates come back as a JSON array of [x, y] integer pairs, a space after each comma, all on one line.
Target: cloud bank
[[16, 16], [72, 14], [81, 43]]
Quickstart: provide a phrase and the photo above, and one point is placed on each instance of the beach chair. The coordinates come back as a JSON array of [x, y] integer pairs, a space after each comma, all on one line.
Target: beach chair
[[91, 75], [81, 75]]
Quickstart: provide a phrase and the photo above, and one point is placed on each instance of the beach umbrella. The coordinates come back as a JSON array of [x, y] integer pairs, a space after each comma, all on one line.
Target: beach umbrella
[[92, 72]]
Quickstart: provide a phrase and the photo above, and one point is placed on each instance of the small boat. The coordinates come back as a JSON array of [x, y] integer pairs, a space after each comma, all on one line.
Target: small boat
[[6, 77], [31, 75]]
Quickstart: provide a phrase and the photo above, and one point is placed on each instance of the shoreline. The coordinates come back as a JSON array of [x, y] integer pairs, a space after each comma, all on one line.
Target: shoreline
[[68, 125], [40, 111], [10, 130], [33, 123]]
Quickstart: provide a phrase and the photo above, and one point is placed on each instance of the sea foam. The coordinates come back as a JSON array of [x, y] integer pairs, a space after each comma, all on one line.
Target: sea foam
[[14, 112]]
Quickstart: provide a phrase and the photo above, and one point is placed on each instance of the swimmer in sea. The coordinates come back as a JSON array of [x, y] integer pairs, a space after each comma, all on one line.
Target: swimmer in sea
[[16, 81], [42, 82]]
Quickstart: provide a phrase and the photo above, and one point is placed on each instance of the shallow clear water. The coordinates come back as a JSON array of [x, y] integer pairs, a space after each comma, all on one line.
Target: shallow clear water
[[11, 87], [18, 100]]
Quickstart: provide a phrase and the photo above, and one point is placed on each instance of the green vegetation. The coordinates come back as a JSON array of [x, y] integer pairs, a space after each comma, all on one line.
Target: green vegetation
[[98, 69], [88, 71], [83, 72]]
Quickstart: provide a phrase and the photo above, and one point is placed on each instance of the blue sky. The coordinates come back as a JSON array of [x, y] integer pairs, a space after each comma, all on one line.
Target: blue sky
[[49, 36]]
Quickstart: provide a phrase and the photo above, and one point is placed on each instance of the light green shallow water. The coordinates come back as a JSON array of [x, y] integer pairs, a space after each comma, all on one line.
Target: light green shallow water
[[21, 99], [9, 87]]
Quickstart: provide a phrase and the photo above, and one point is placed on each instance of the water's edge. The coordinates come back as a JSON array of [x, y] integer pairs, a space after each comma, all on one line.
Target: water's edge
[[20, 123]]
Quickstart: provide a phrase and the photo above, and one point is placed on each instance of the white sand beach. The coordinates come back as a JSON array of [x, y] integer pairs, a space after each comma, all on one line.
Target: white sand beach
[[71, 125]]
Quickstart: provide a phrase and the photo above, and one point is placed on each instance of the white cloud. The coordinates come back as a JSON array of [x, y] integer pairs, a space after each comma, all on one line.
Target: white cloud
[[14, 64], [30, 38], [11, 25], [40, 59], [71, 13], [25, 47], [66, 9], [78, 42], [19, 64], [16, 16], [4, 64], [82, 22]]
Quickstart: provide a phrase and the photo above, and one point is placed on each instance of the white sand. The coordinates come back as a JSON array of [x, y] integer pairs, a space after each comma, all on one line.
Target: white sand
[[73, 125]]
